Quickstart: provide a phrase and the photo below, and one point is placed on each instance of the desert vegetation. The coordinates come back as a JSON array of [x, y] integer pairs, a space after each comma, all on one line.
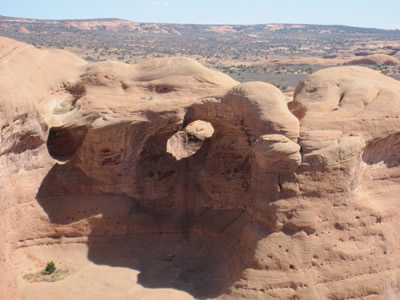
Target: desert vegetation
[[49, 274]]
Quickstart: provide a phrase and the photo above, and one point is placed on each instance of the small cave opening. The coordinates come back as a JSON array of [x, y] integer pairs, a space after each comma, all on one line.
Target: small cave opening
[[62, 143]]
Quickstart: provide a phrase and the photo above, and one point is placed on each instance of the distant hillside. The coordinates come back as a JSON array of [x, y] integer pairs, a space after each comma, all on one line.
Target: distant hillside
[[129, 41], [113, 24]]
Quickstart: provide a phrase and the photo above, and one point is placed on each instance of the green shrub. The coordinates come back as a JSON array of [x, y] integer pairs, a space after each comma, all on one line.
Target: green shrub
[[50, 267]]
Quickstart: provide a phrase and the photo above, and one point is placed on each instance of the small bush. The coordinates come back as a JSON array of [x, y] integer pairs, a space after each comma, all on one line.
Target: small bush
[[49, 274], [50, 267]]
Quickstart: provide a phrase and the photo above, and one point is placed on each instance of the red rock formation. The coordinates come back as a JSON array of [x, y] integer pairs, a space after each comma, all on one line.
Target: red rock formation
[[201, 184], [375, 59]]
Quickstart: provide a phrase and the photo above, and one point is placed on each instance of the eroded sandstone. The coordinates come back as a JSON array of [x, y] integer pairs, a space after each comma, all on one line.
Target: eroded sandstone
[[172, 176]]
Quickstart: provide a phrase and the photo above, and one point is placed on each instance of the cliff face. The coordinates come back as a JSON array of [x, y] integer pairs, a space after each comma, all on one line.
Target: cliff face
[[201, 184]]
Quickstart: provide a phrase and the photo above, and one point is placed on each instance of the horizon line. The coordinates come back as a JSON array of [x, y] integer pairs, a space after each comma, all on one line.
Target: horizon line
[[203, 24]]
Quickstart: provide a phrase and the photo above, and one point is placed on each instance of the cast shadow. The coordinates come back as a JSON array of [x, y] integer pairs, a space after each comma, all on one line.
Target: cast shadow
[[201, 257]]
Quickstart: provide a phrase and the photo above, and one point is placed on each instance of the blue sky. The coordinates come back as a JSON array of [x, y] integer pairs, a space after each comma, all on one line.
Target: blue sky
[[363, 13]]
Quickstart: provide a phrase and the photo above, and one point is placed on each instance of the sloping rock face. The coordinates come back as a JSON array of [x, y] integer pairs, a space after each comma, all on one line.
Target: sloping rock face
[[375, 59], [253, 198]]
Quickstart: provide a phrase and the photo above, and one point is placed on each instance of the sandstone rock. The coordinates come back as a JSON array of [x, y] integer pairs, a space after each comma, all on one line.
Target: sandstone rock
[[200, 129], [187, 142], [333, 60], [336, 94], [375, 59], [276, 153], [322, 148], [260, 199]]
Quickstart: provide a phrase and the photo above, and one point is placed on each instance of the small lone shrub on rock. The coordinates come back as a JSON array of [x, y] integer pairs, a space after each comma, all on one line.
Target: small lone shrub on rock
[[49, 274], [50, 267]]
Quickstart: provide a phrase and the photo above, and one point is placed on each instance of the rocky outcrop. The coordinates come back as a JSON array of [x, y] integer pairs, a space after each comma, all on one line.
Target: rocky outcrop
[[204, 185], [362, 58], [187, 142], [375, 59]]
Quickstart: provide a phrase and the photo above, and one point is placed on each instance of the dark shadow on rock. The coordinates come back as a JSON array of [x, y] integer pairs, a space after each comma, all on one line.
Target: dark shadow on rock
[[62, 143], [385, 150], [197, 252], [176, 237], [199, 265]]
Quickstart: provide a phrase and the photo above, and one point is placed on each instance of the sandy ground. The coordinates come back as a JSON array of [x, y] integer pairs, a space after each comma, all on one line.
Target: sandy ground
[[169, 266]]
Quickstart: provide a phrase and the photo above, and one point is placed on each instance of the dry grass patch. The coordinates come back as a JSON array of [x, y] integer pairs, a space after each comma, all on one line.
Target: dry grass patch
[[49, 274]]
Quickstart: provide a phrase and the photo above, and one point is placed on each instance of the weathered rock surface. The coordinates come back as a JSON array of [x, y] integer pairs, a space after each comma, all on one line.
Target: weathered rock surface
[[366, 59], [176, 181], [187, 142], [375, 59]]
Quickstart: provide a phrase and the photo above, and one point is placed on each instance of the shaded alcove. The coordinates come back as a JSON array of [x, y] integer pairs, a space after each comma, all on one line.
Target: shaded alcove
[[182, 244], [385, 150], [380, 171], [63, 142]]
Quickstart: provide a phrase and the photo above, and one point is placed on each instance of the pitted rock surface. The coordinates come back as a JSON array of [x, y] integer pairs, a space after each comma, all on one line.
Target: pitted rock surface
[[168, 180]]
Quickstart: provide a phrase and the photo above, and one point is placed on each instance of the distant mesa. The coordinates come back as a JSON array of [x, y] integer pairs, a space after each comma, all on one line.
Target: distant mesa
[[223, 29], [117, 26]]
